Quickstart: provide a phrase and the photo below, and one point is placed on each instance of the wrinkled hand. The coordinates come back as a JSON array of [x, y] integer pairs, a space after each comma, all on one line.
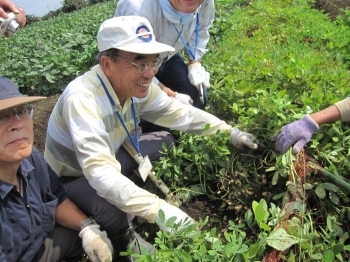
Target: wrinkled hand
[[196, 74], [183, 98], [241, 140], [297, 133], [96, 244], [171, 211]]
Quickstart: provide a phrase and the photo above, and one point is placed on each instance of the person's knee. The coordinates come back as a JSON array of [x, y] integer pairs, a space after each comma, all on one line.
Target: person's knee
[[168, 138]]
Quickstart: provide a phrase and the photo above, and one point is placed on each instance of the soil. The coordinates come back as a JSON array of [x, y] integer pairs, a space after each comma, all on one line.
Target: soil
[[332, 7], [201, 206]]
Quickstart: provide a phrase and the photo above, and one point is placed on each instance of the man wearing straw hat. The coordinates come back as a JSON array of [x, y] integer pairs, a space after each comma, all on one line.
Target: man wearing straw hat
[[37, 220]]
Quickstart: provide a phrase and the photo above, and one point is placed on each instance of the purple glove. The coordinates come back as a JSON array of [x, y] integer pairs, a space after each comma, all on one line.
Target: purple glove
[[297, 133]]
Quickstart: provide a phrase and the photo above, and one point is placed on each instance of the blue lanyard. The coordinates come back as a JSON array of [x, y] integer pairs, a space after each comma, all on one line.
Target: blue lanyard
[[185, 44], [135, 142]]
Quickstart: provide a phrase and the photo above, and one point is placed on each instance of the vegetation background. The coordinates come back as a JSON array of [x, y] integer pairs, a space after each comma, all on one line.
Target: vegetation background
[[271, 62]]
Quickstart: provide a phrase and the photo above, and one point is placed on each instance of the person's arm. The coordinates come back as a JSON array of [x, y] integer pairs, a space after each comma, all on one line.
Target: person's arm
[[95, 152], [328, 115], [166, 112], [183, 98], [127, 7], [299, 133], [206, 19], [95, 242], [167, 90], [69, 215]]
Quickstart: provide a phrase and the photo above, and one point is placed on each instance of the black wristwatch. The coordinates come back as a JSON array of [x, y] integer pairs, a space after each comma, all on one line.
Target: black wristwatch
[[89, 221]]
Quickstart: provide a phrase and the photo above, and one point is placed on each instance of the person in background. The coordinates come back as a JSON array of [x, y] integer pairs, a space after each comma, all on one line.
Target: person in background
[[6, 7], [100, 109], [299, 133], [37, 220], [183, 25]]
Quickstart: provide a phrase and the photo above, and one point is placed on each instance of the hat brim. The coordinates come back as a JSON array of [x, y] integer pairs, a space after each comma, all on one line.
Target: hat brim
[[147, 49], [15, 101]]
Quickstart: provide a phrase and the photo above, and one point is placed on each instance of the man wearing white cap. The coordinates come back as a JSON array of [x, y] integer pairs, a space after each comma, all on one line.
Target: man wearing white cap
[[37, 220], [184, 25], [100, 109]]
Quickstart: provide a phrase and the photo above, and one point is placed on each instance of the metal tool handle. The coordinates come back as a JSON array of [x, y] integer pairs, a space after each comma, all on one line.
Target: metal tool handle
[[169, 196]]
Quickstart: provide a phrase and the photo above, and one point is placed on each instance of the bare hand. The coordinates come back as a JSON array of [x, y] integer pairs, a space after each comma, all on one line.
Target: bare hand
[[6, 6]]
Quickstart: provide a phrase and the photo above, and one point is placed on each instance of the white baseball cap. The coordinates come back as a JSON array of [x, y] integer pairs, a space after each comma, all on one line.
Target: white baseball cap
[[129, 33]]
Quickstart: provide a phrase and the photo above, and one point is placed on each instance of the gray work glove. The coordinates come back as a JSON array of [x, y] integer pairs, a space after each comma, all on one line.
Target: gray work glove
[[171, 211], [241, 140], [96, 244], [183, 98], [297, 133]]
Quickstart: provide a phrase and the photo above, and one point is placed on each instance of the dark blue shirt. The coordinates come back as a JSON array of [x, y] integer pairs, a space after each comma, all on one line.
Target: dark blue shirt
[[26, 221]]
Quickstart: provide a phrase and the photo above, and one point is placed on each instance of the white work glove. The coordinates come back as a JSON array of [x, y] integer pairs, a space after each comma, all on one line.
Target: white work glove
[[242, 139], [183, 98], [171, 211], [96, 244], [206, 83], [197, 74]]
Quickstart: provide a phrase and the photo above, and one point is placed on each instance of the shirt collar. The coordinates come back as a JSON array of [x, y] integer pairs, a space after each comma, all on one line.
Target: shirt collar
[[23, 170], [98, 70]]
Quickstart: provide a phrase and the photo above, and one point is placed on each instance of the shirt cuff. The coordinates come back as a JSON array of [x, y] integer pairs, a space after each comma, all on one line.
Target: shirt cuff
[[344, 109]]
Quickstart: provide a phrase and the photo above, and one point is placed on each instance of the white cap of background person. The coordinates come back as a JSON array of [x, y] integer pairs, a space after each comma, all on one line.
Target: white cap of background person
[[132, 34]]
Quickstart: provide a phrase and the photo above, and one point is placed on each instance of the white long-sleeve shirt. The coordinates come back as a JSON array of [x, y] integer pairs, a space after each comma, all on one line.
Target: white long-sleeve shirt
[[84, 135], [164, 29]]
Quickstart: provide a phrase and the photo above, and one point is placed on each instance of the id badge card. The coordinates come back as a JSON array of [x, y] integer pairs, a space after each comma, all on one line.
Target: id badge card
[[145, 168]]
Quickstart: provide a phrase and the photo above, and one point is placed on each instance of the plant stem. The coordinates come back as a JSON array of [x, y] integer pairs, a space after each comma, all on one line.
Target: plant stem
[[345, 186]]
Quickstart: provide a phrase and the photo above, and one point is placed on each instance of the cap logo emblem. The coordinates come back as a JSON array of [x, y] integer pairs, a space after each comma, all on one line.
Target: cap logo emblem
[[144, 30]]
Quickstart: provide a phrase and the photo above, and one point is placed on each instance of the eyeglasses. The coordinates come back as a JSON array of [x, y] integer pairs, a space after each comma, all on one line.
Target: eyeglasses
[[144, 66], [22, 112]]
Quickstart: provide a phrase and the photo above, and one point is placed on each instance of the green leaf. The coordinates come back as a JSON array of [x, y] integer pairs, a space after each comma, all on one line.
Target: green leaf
[[280, 240], [316, 256], [275, 178], [330, 186], [337, 248], [328, 256], [278, 196], [320, 192], [265, 226], [334, 197], [330, 223], [249, 217], [49, 78], [253, 250], [212, 252], [259, 213]]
